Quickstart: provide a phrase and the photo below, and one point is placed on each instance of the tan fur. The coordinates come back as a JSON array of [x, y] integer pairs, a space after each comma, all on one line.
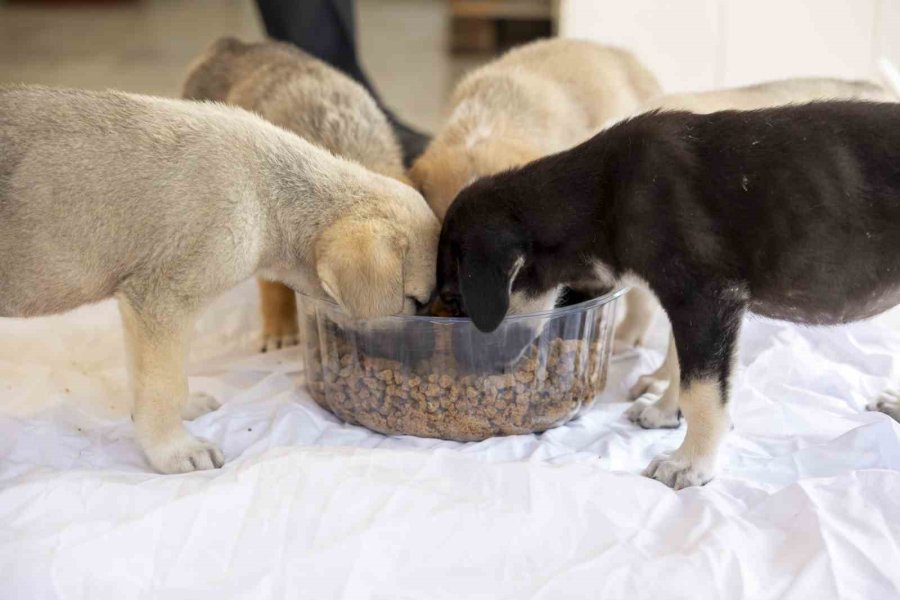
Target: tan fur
[[532, 101], [278, 305], [307, 96], [369, 287], [164, 204], [772, 93], [694, 462], [535, 100], [656, 394]]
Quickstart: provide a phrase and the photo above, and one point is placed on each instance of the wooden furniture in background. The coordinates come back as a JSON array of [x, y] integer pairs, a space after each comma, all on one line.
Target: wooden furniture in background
[[489, 25]]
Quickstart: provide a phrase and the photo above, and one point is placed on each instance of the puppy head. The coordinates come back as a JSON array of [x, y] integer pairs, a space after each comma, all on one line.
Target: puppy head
[[439, 173], [210, 76], [446, 167], [380, 259], [487, 266]]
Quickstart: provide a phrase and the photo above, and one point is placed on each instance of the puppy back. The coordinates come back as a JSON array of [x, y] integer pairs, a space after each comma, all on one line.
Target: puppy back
[[302, 94]]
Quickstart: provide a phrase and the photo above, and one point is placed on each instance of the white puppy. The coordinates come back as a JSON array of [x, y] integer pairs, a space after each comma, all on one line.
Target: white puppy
[[535, 100], [657, 392], [166, 203]]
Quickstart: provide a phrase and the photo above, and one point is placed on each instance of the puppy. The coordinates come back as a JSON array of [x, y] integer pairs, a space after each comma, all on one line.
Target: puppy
[[535, 100], [164, 204], [305, 95], [658, 391], [771, 94], [791, 213]]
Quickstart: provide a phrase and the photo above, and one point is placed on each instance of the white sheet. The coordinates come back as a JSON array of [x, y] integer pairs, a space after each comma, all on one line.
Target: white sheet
[[807, 505]]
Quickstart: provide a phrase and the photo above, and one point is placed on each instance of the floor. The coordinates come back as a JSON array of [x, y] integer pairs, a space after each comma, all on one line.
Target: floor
[[146, 46]]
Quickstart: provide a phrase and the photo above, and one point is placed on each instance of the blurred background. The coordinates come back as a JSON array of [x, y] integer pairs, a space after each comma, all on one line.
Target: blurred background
[[414, 50]]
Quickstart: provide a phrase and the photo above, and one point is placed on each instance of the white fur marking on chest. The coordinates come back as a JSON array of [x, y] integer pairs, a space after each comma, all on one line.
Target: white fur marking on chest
[[603, 273]]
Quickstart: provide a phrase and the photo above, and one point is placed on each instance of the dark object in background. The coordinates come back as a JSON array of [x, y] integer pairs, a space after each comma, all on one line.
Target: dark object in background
[[497, 25], [327, 30]]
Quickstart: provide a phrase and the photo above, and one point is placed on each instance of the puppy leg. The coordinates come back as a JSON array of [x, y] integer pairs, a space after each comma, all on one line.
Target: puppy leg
[[157, 342], [888, 403], [705, 330], [656, 395], [278, 304], [639, 307]]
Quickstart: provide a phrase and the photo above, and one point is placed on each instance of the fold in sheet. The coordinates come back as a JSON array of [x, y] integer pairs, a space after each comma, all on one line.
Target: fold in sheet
[[807, 504]]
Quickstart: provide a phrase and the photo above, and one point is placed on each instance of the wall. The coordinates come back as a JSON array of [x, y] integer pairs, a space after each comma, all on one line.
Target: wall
[[700, 44]]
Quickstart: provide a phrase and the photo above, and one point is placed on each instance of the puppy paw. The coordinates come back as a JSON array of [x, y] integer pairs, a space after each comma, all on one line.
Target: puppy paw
[[651, 414], [273, 342], [678, 472], [888, 403], [184, 454], [652, 386], [197, 405]]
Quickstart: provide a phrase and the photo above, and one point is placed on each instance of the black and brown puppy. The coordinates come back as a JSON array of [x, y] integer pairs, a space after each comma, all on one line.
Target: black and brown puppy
[[791, 212]]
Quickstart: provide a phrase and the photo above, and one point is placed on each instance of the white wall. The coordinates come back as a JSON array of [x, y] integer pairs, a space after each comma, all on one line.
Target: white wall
[[700, 44]]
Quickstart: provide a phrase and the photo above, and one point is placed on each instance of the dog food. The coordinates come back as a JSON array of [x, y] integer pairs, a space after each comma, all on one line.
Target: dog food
[[442, 378]]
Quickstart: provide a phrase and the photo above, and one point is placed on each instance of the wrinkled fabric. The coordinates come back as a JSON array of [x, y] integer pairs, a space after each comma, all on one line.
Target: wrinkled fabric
[[807, 503]]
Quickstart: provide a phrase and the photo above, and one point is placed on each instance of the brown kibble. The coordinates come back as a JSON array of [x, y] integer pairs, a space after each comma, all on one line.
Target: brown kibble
[[525, 376], [438, 398]]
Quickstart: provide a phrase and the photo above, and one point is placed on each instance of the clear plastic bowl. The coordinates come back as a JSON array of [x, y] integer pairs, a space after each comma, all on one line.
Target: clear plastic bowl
[[442, 378]]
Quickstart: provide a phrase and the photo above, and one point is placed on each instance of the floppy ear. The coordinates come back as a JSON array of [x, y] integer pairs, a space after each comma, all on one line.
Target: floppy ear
[[485, 286], [360, 265]]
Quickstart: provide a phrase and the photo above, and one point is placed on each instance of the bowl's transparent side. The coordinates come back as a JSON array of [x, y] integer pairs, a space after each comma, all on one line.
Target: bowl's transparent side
[[445, 379], [312, 355]]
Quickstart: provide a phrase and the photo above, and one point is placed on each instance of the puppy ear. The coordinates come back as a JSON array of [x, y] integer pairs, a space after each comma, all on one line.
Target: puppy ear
[[485, 286], [360, 265]]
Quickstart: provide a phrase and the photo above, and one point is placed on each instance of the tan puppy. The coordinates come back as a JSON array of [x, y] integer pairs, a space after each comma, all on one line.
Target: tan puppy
[[535, 100], [305, 95], [657, 392], [771, 93], [164, 204]]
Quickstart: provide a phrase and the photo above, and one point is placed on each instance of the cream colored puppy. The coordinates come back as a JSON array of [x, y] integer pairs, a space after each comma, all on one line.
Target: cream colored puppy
[[164, 204], [657, 392], [305, 95], [532, 101]]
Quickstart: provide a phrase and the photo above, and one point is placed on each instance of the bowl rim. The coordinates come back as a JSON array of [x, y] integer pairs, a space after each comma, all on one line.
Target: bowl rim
[[615, 294]]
